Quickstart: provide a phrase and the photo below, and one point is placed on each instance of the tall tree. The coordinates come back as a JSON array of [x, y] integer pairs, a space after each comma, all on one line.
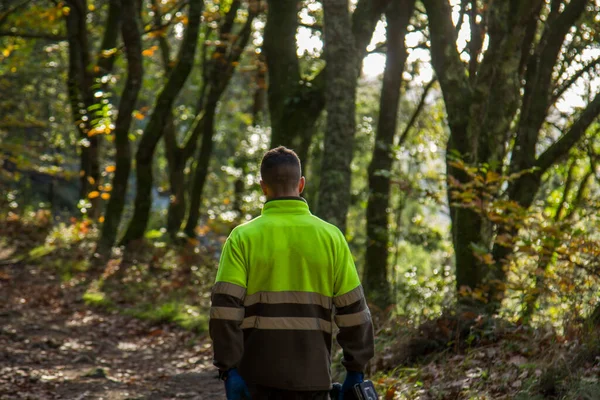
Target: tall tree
[[505, 91], [225, 58], [375, 277], [340, 100], [83, 75], [296, 101], [155, 127], [130, 29]]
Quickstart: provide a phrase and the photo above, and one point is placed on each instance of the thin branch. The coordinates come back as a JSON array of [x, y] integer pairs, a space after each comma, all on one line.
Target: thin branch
[[461, 15], [562, 146], [566, 191], [314, 27], [7, 14], [564, 86], [416, 113]]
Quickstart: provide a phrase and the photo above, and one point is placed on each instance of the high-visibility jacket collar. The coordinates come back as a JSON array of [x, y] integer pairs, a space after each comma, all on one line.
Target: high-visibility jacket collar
[[286, 205]]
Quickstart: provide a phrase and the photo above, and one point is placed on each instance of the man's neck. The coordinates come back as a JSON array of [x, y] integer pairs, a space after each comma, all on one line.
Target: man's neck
[[284, 196]]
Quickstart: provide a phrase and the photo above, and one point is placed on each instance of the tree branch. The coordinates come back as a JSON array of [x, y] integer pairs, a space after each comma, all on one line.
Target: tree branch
[[364, 20], [416, 113], [562, 146], [7, 14], [564, 86], [450, 70], [314, 27]]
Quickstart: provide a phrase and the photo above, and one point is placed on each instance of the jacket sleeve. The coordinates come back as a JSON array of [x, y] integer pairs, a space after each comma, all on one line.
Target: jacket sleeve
[[227, 307], [352, 315]]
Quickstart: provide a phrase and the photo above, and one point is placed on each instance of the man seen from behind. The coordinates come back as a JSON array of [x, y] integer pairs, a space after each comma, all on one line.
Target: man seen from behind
[[283, 279]]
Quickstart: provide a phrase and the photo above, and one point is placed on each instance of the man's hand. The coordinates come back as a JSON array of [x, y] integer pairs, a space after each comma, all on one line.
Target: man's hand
[[235, 386], [352, 379]]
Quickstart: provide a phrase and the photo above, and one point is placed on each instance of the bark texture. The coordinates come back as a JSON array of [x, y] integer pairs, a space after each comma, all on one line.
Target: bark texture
[[133, 50], [155, 127], [295, 102], [483, 99], [340, 98], [375, 278]]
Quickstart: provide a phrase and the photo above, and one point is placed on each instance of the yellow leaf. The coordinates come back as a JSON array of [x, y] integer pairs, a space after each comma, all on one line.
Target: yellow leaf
[[91, 180], [81, 173], [108, 187], [91, 7], [101, 219], [138, 115], [226, 201], [111, 168], [66, 10], [94, 194], [109, 52], [105, 196]]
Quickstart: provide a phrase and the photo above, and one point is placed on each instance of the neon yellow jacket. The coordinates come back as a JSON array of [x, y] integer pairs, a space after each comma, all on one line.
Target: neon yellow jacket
[[283, 279]]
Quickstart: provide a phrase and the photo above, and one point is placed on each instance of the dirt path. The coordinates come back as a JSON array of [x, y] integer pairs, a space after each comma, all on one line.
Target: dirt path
[[52, 346]]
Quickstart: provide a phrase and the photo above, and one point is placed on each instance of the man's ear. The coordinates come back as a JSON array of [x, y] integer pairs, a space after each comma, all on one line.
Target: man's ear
[[263, 186], [301, 185]]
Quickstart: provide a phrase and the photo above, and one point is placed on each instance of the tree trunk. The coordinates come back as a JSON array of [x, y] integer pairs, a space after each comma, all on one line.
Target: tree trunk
[[154, 129], [340, 94], [223, 68], [295, 103], [176, 164], [482, 101], [375, 278], [81, 78], [201, 169], [133, 50]]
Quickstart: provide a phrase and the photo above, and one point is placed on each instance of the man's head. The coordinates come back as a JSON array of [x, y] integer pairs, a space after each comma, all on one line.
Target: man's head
[[281, 173]]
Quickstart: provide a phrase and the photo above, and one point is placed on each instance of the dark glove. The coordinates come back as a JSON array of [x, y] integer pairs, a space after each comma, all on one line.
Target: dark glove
[[235, 387], [352, 379]]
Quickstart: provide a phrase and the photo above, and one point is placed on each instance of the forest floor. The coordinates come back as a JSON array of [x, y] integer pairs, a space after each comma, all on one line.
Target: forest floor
[[54, 346], [138, 330]]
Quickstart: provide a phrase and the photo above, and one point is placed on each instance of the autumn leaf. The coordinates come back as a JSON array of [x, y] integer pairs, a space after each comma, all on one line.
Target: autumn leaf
[[91, 180], [94, 194], [110, 168], [101, 219], [105, 196], [149, 51], [108, 187], [138, 115]]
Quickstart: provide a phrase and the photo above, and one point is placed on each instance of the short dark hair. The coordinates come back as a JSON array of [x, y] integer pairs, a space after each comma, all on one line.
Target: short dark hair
[[280, 169]]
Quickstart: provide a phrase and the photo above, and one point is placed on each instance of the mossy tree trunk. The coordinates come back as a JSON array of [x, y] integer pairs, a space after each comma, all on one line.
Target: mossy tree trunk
[[296, 102], [375, 277], [340, 99], [483, 99]]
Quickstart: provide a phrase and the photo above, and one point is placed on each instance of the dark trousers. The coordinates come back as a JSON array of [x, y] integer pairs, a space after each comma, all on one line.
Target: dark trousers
[[265, 393]]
